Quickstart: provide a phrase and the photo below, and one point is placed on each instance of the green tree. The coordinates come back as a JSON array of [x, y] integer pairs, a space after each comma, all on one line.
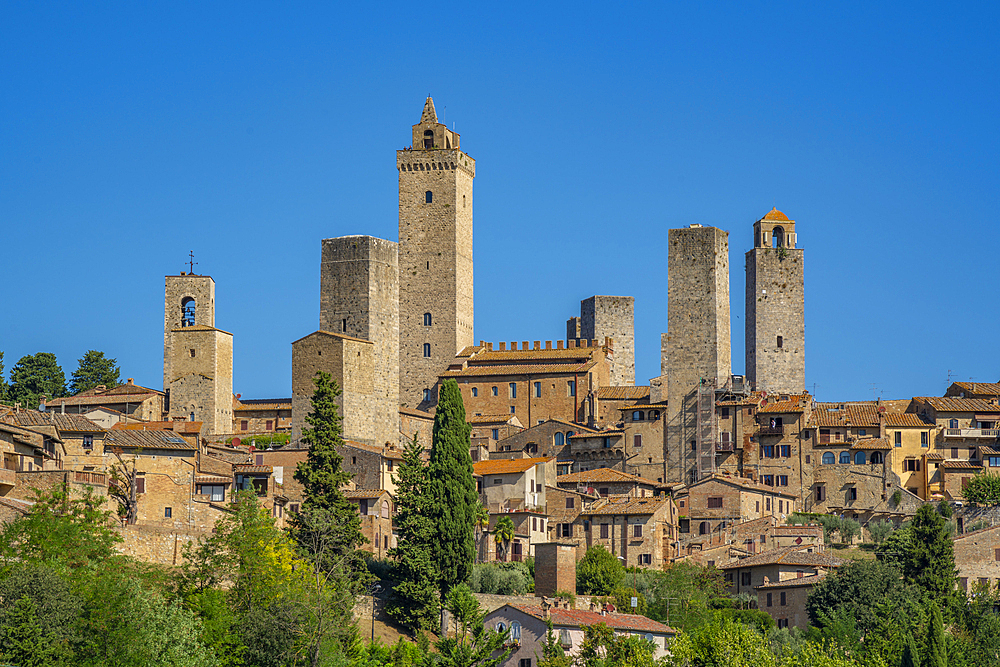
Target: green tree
[[811, 654], [452, 490], [503, 533], [911, 658], [415, 602], [983, 489], [879, 530], [473, 645], [3, 381], [936, 650], [94, 369], [858, 589], [681, 594], [482, 526], [601, 647], [23, 640], [930, 562], [730, 644], [598, 572], [849, 529], [56, 605], [553, 654], [34, 376]]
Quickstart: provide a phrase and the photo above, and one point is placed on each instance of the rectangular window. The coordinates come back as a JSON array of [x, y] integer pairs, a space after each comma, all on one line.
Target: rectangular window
[[923, 439], [268, 425], [645, 559], [767, 452], [824, 436], [603, 492], [565, 530], [782, 623], [513, 389], [475, 392], [780, 341], [538, 390], [715, 502], [534, 523], [140, 485], [786, 451], [495, 433], [767, 504], [496, 392], [769, 599], [852, 493], [898, 437], [244, 424], [637, 530], [808, 458], [782, 480], [570, 502], [767, 480], [524, 662], [820, 493], [637, 441], [724, 413], [168, 512], [497, 480], [954, 452], [781, 506], [604, 531], [744, 578], [571, 386], [758, 507], [862, 432], [259, 459]]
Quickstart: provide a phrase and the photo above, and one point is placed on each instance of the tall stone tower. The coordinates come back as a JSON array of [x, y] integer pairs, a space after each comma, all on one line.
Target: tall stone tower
[[775, 307], [435, 257], [197, 357], [696, 347], [609, 317], [359, 298]]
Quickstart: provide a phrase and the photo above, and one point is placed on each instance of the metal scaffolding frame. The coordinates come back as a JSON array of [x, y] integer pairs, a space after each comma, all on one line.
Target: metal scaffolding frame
[[705, 427]]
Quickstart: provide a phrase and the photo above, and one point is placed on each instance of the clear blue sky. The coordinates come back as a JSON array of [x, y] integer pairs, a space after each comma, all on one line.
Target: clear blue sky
[[131, 133]]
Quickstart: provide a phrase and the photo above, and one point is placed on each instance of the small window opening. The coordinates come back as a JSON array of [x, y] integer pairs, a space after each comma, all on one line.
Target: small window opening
[[187, 312], [427, 319], [429, 197], [191, 351], [343, 325], [427, 394], [428, 139], [427, 349], [778, 238], [781, 341]]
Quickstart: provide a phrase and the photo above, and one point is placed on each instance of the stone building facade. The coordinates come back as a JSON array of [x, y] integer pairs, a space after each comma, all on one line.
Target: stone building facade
[[359, 297], [775, 307], [129, 399], [435, 257], [697, 343], [349, 361], [609, 317]]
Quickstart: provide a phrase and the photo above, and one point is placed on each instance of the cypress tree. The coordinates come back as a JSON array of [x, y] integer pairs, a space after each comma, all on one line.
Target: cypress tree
[[937, 650], [930, 562], [322, 477], [453, 497], [910, 656], [415, 602]]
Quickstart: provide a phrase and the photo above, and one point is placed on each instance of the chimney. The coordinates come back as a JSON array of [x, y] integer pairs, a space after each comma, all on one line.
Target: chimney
[[545, 608], [593, 606], [130, 381]]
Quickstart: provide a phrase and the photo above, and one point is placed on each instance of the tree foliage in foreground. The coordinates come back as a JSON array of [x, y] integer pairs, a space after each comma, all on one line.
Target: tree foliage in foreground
[[983, 489], [94, 369], [34, 376], [599, 571]]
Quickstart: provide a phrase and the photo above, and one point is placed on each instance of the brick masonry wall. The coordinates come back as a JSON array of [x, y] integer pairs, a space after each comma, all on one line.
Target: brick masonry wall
[[359, 287], [555, 568], [775, 306], [435, 264], [698, 333], [612, 317], [176, 289]]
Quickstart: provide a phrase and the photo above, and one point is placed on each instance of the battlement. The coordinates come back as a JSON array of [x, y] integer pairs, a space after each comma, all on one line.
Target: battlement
[[537, 347], [434, 160]]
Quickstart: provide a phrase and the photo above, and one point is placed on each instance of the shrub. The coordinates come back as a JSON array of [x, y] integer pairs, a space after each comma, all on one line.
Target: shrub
[[983, 489], [475, 578], [599, 572], [512, 582], [569, 597], [879, 530], [489, 579]]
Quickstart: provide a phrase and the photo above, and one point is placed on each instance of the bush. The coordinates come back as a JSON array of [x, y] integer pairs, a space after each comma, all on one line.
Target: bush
[[384, 569], [489, 579], [512, 582], [879, 530], [599, 572], [983, 489], [475, 579], [569, 597]]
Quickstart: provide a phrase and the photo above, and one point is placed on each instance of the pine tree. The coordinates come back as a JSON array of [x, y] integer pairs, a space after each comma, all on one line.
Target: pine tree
[[23, 641], [910, 656], [415, 603], [94, 369], [930, 562], [322, 476], [35, 375], [453, 497], [937, 649]]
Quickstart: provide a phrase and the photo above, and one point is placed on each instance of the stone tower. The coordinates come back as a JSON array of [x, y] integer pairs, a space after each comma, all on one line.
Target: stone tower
[[359, 299], [197, 357], [697, 345], [775, 308], [435, 257], [609, 317]]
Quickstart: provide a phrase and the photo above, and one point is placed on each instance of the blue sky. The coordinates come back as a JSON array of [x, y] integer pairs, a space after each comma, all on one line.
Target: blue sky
[[131, 134]]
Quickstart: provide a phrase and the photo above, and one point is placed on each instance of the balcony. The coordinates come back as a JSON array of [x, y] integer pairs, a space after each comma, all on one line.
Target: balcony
[[771, 430], [95, 478], [990, 433], [7, 477], [725, 446]]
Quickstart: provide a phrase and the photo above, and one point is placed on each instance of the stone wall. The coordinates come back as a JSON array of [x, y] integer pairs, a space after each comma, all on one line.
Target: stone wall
[[201, 380], [176, 290], [698, 334], [359, 297], [435, 261], [153, 544], [775, 307], [612, 317]]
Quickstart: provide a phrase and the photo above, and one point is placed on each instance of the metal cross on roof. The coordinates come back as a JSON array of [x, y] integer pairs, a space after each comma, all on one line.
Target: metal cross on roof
[[191, 262]]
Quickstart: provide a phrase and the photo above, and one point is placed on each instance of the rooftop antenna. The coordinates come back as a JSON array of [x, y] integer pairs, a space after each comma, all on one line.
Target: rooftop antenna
[[191, 262]]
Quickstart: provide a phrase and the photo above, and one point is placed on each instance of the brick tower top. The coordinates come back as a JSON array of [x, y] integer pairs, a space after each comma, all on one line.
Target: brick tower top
[[774, 230], [429, 133]]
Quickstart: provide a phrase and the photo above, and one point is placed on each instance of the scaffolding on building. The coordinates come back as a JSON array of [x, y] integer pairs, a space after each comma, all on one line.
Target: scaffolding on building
[[705, 428]]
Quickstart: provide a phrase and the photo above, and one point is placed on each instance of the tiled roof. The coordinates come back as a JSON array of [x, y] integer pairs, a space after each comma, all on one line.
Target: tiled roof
[[244, 468], [811, 580], [774, 215], [358, 494], [506, 466], [960, 465], [416, 413], [212, 479], [245, 404], [598, 434], [602, 475], [62, 422], [785, 556], [754, 398], [200, 327], [852, 414], [644, 406], [147, 439], [872, 443], [793, 405], [630, 505], [386, 452], [622, 393], [745, 483], [191, 428], [935, 456], [581, 618], [905, 419], [987, 451], [985, 388], [950, 404], [489, 419], [521, 369]]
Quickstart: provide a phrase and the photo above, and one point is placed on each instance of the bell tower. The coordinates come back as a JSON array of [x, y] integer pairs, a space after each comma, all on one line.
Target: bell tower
[[435, 257], [775, 307]]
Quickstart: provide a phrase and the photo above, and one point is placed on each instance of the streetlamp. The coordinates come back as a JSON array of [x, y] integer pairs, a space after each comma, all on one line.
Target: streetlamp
[[372, 590]]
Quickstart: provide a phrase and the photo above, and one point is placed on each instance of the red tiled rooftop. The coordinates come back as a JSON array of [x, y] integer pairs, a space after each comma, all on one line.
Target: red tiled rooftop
[[774, 215], [582, 618]]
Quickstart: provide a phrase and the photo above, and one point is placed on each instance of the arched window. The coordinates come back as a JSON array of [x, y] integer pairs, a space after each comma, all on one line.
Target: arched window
[[475, 391], [187, 311], [778, 237], [829, 458], [876, 457], [427, 319], [515, 632], [705, 528], [429, 197], [637, 416], [428, 138], [559, 439], [953, 423], [845, 457], [656, 414], [427, 349], [385, 509], [859, 459]]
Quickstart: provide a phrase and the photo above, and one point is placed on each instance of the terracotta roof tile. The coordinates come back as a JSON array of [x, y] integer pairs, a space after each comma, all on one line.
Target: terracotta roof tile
[[357, 494], [630, 505], [935, 456], [774, 215], [597, 434], [246, 404], [861, 415], [63, 422], [811, 580], [507, 466], [602, 475], [247, 468], [950, 404], [984, 388], [872, 443], [960, 465], [212, 479], [489, 419], [792, 405], [785, 556], [147, 439], [582, 618], [745, 483], [622, 393], [906, 419], [416, 413]]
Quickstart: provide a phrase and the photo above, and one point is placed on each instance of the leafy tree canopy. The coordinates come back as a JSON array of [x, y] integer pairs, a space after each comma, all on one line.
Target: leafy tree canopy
[[598, 572], [983, 489], [857, 588], [94, 369], [34, 376], [930, 562]]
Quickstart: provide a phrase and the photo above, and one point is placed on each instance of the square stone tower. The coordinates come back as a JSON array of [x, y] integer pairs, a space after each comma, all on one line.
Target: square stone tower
[[197, 357], [612, 317], [359, 298], [775, 307], [435, 257], [697, 346]]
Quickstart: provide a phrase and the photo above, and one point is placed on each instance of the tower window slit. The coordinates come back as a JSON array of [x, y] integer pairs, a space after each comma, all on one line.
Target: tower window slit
[[429, 197], [343, 325], [428, 139], [780, 341]]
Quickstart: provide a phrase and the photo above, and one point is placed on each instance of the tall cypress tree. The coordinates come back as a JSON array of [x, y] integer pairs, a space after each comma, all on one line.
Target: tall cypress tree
[[930, 562], [415, 602], [937, 651], [453, 497], [322, 477], [910, 656]]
